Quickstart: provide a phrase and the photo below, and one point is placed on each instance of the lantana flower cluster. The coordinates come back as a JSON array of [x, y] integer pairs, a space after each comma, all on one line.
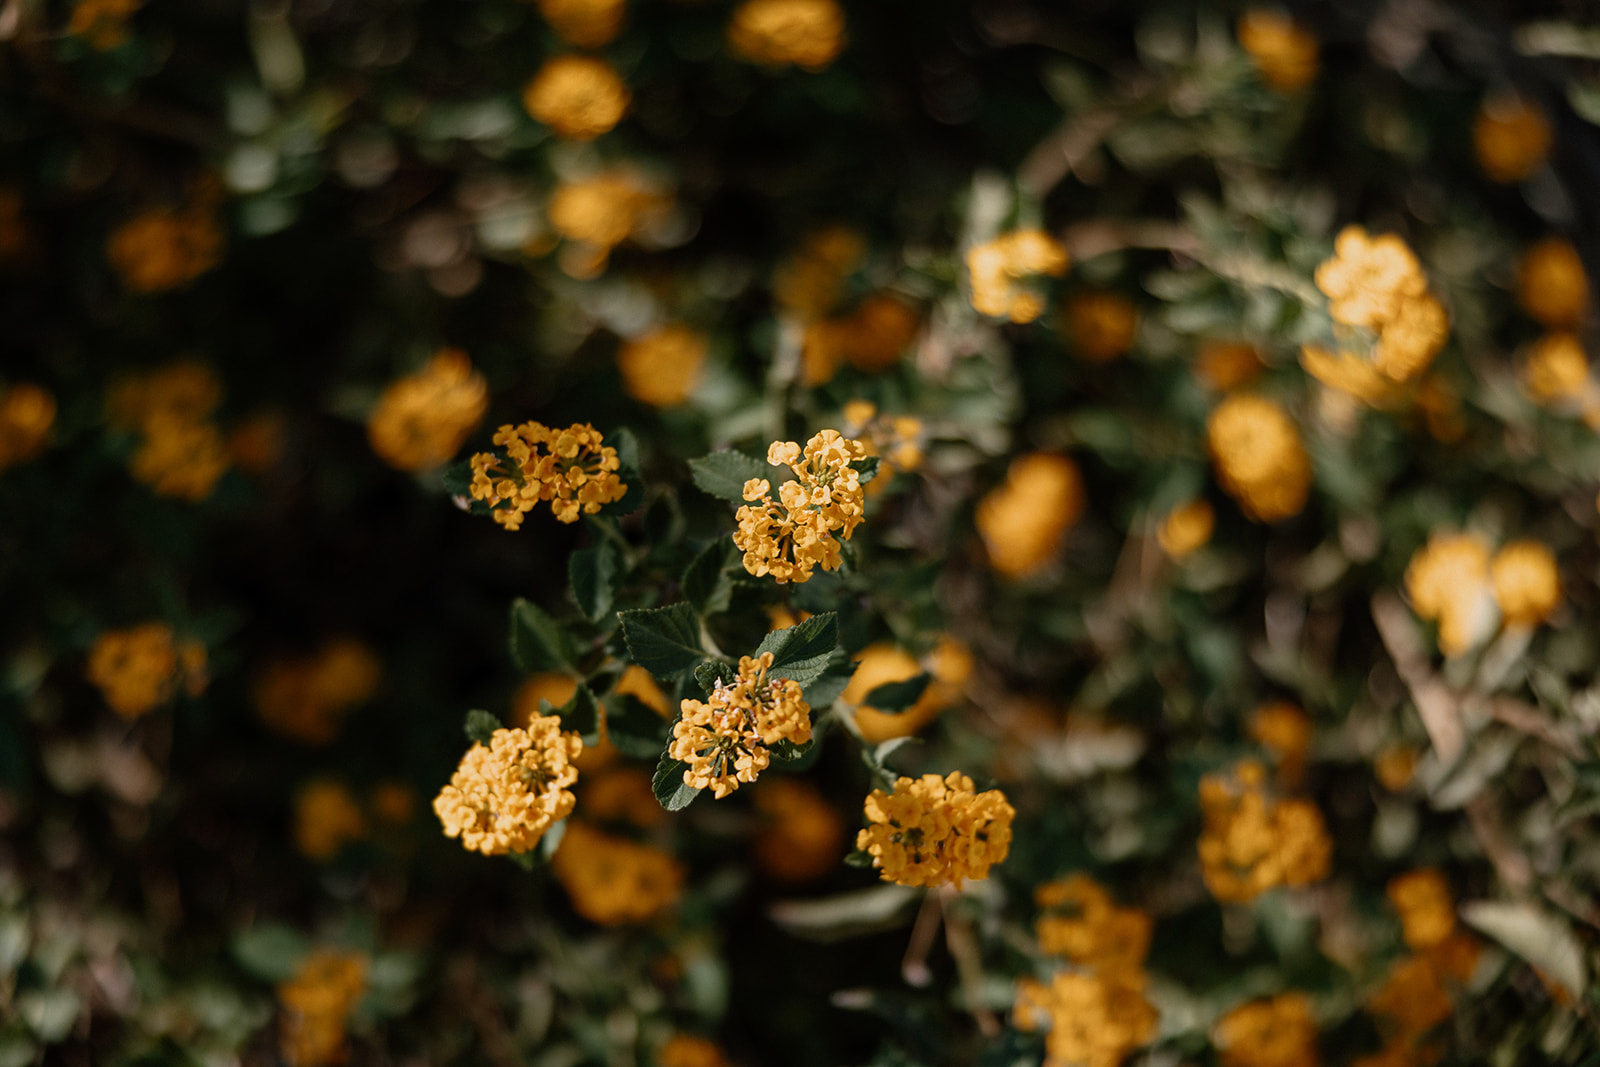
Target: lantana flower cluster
[[142, 667], [422, 420], [726, 740], [306, 697], [181, 452], [504, 796], [778, 33], [1253, 842], [1454, 581], [791, 537], [1260, 459], [998, 267], [574, 469], [1024, 519], [317, 1003], [934, 831], [163, 248], [612, 880]]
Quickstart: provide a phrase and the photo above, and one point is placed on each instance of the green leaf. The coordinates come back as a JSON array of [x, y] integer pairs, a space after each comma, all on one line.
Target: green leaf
[[457, 479], [593, 572], [801, 652], [537, 641], [891, 698], [788, 751], [723, 474], [858, 858], [706, 583], [669, 786], [664, 641], [627, 447], [831, 685], [582, 714], [1543, 939], [526, 860], [271, 952], [710, 673], [634, 727], [866, 469], [480, 726]]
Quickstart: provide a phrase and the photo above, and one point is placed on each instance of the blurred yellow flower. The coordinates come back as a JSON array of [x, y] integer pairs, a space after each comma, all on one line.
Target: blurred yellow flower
[[620, 794], [1284, 52], [1079, 922], [807, 284], [158, 249], [305, 698], [1448, 580], [1227, 365], [1526, 585], [1275, 1032], [882, 663], [27, 412], [577, 96], [1094, 1019], [1252, 843], [613, 881], [995, 267], [1101, 324], [1557, 370], [1284, 730], [1024, 520], [1369, 278], [140, 668], [690, 1050], [326, 818], [638, 683], [1259, 458], [597, 213], [1552, 285], [871, 338], [1511, 138], [660, 368], [1186, 528], [800, 837], [422, 420], [1427, 910], [779, 33], [585, 23], [504, 797], [546, 685], [934, 831], [316, 1004]]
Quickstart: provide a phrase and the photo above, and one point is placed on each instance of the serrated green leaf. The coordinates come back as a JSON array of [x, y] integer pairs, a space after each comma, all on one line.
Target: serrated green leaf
[[537, 641], [480, 726], [664, 641], [723, 473], [866, 469], [669, 786], [581, 714], [801, 652], [593, 573], [706, 583], [634, 727], [271, 952], [892, 698], [832, 683], [710, 673]]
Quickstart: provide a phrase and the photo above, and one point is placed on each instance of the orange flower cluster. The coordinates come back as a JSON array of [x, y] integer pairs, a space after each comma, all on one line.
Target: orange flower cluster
[[1227, 365], [27, 412], [305, 697], [1252, 843], [896, 440], [102, 24], [1285, 731], [689, 1050], [578, 474], [620, 794], [1453, 580], [807, 284], [585, 23], [1511, 138], [950, 663], [934, 831], [870, 338], [1284, 52], [726, 741], [597, 213], [778, 33], [790, 538], [579, 97], [1259, 457], [660, 368], [503, 797], [1553, 288], [143, 666], [801, 837], [1023, 521], [181, 453], [161, 249], [1101, 324], [612, 880], [326, 818], [317, 1003], [996, 267], [1186, 528], [1552, 285], [1275, 1032], [422, 420], [1081, 923]]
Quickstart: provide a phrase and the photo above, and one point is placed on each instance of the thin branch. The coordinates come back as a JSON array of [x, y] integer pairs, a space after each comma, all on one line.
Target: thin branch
[[964, 949]]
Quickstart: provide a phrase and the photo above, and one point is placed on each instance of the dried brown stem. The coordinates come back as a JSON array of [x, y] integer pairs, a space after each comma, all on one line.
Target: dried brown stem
[[964, 949]]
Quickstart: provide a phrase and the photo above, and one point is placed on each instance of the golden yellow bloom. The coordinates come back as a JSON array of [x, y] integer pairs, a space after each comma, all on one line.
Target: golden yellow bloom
[[1023, 521], [1284, 52], [1279, 1032], [882, 663], [1526, 584], [689, 1050], [801, 838], [1409, 341], [546, 685], [317, 1003], [935, 831], [1552, 285], [789, 538], [621, 794], [141, 667], [637, 682], [1080, 923], [897, 440], [1349, 373], [1511, 138], [807, 284], [1252, 843], [1285, 731], [103, 24], [1557, 370], [726, 741], [1413, 997], [159, 250], [577, 96], [27, 412], [1448, 580], [1095, 1020], [1259, 458], [585, 23], [504, 797], [1395, 766], [180, 459], [996, 266], [306, 697], [1101, 324], [777, 33], [661, 367], [613, 881], [577, 476], [871, 338], [598, 213], [326, 818], [1186, 528], [1427, 910], [422, 420], [1369, 278], [1227, 365]]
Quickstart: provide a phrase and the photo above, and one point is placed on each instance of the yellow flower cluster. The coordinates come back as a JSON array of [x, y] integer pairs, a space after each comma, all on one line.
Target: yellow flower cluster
[[996, 267], [1453, 580], [102, 24], [1226, 365], [1101, 324], [1186, 528], [791, 537], [801, 837], [503, 797], [1552, 285], [27, 412], [422, 420], [778, 33], [1259, 457], [1556, 372], [1275, 1032], [585, 23], [1284, 730], [689, 1050], [317, 1003], [305, 697], [660, 368], [160, 249], [620, 794], [950, 664], [1252, 843], [1511, 138], [578, 475], [934, 831], [326, 818], [579, 97], [1023, 521], [1553, 288], [181, 453], [807, 284], [1081, 923], [142, 667], [597, 213], [896, 440], [726, 741], [1284, 52], [612, 880], [870, 338], [1377, 283]]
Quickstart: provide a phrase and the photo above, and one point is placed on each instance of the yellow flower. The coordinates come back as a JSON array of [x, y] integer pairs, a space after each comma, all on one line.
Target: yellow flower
[[806, 285], [1259, 458], [1278, 1032], [871, 338], [726, 741], [27, 412], [1101, 324], [1349, 373], [882, 663], [777, 33], [1413, 997], [935, 831], [1552, 285], [393, 802], [159, 250], [422, 420], [1448, 580], [689, 1050], [1023, 521], [1395, 766], [1081, 924], [1284, 52], [503, 797], [1408, 342], [179, 458], [661, 367], [103, 24], [621, 794], [637, 682], [598, 213], [791, 537], [996, 266], [1369, 278], [1095, 1020], [1285, 731], [141, 667], [1251, 843], [304, 698], [1557, 370], [1427, 910], [585, 23], [577, 476], [613, 881], [1186, 528], [317, 1003], [1511, 138], [577, 96], [546, 685], [896, 440], [1526, 585], [326, 818], [1227, 365], [801, 838]]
